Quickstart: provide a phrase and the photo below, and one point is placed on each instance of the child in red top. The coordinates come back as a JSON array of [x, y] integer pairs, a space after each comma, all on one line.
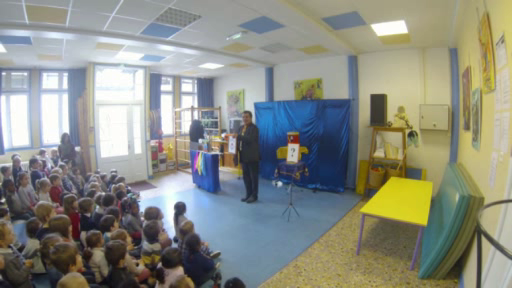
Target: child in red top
[[71, 209], [56, 189]]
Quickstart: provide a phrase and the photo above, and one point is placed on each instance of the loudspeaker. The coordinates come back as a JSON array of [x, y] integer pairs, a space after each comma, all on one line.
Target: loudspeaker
[[378, 109]]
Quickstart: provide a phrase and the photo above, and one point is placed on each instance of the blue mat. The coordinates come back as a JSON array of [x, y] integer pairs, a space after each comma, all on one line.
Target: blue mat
[[255, 240]]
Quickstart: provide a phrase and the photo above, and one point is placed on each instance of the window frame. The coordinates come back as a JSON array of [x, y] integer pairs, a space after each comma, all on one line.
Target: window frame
[[8, 92], [173, 95], [193, 94], [60, 91]]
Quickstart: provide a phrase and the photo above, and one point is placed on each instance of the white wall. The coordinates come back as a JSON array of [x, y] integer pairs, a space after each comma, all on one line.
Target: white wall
[[332, 70], [409, 78], [252, 81]]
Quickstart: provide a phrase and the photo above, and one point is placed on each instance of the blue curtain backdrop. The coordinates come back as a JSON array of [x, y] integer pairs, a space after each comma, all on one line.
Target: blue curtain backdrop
[[76, 88], [205, 92], [2, 150], [324, 127]]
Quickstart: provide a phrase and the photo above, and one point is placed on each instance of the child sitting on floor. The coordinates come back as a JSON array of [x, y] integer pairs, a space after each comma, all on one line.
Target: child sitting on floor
[[26, 192], [199, 267], [169, 270], [66, 183], [186, 229], [65, 258], [6, 173], [13, 202], [16, 166], [61, 225], [85, 206], [179, 217], [54, 156], [17, 269], [46, 245], [35, 173], [78, 178], [56, 189], [5, 215], [44, 212], [71, 210], [32, 247], [103, 183], [95, 255], [43, 190], [73, 280], [99, 212], [151, 247], [131, 218], [108, 224], [140, 272], [115, 253]]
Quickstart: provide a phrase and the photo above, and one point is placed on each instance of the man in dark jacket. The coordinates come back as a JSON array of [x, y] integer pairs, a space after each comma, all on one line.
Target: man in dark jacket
[[249, 150]]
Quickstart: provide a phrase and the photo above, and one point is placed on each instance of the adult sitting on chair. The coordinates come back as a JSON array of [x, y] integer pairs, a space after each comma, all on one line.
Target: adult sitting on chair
[[196, 132], [249, 150]]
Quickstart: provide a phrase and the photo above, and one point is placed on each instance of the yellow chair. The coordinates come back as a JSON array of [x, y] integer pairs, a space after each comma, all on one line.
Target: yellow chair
[[282, 152]]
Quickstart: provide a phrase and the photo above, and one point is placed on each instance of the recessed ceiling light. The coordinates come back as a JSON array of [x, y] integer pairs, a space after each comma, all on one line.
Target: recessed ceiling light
[[129, 55], [2, 49], [211, 65], [236, 35], [390, 28]]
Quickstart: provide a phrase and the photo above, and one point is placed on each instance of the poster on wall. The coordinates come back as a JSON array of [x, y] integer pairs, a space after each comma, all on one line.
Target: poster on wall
[[235, 103], [476, 117], [486, 54], [466, 97], [308, 89]]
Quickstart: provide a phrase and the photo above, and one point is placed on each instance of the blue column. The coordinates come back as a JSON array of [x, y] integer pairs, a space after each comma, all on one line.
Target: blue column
[[353, 93], [454, 146], [269, 84]]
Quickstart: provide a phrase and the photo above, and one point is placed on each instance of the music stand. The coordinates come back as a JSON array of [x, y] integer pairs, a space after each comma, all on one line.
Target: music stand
[[294, 170]]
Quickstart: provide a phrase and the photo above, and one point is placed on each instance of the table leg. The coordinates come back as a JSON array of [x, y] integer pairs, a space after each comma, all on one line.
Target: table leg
[[360, 235], [418, 241]]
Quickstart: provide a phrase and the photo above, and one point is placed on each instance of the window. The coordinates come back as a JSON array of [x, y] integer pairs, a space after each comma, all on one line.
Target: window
[[188, 99], [113, 83], [54, 106], [14, 103], [167, 104]]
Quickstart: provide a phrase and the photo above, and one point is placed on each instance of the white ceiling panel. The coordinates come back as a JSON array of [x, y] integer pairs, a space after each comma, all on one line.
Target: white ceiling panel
[[290, 37], [96, 6], [141, 10], [52, 42], [326, 8], [126, 25], [11, 1], [188, 37], [256, 54], [88, 20], [51, 3], [162, 2], [10, 12], [147, 50]]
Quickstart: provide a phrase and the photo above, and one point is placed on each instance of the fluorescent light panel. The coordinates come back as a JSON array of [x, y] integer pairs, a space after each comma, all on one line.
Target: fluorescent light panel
[[2, 49], [390, 28], [129, 55], [211, 65]]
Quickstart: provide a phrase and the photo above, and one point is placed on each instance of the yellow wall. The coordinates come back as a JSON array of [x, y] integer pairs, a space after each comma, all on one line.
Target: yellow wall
[[478, 162]]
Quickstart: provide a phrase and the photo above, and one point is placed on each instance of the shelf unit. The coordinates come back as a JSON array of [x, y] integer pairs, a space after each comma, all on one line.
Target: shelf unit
[[372, 160], [181, 137]]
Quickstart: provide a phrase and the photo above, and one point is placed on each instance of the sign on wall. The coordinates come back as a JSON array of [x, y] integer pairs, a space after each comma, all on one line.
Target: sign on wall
[[486, 54], [235, 103], [308, 89]]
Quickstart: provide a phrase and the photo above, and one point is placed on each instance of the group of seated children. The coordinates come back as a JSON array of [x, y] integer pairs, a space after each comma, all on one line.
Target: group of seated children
[[90, 233]]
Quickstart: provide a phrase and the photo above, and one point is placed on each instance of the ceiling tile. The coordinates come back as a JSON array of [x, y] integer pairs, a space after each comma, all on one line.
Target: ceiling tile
[[88, 20], [187, 36], [315, 49], [325, 8], [345, 21], [239, 65], [159, 30], [15, 40], [147, 50], [162, 2], [256, 54], [48, 50], [6, 62], [96, 6], [237, 47], [43, 14], [289, 37], [143, 11], [50, 3], [126, 25], [226, 11], [49, 57], [53, 42], [189, 72], [275, 48], [261, 25], [177, 17], [11, 12], [395, 39], [109, 46], [152, 58]]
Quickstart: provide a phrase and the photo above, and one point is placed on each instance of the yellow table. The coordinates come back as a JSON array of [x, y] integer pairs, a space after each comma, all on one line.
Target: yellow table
[[402, 200]]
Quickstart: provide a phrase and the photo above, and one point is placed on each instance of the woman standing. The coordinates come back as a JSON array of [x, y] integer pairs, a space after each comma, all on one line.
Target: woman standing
[[66, 149]]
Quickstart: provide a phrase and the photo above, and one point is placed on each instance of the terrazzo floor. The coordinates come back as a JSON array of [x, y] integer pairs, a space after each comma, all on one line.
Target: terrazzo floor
[[331, 261]]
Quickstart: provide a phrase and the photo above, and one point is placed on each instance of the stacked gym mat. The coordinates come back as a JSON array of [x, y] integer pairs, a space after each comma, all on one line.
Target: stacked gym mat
[[452, 222]]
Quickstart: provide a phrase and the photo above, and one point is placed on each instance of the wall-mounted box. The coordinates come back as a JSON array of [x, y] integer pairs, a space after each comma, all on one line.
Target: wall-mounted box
[[434, 117]]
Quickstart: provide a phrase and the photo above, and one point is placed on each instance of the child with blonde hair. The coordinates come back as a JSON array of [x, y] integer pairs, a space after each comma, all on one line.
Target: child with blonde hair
[[73, 280], [140, 271], [17, 269], [44, 212], [43, 190], [26, 192]]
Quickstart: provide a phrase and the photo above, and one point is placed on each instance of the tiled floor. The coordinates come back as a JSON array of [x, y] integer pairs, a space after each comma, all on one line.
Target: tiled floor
[[386, 252]]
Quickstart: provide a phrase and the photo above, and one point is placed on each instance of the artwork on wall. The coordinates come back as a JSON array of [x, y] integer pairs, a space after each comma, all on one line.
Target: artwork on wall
[[235, 103], [486, 54], [308, 89], [466, 97], [476, 117]]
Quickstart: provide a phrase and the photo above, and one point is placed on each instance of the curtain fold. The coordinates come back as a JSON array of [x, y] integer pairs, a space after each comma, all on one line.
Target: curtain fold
[[155, 103], [2, 150], [76, 88], [353, 91], [205, 92]]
